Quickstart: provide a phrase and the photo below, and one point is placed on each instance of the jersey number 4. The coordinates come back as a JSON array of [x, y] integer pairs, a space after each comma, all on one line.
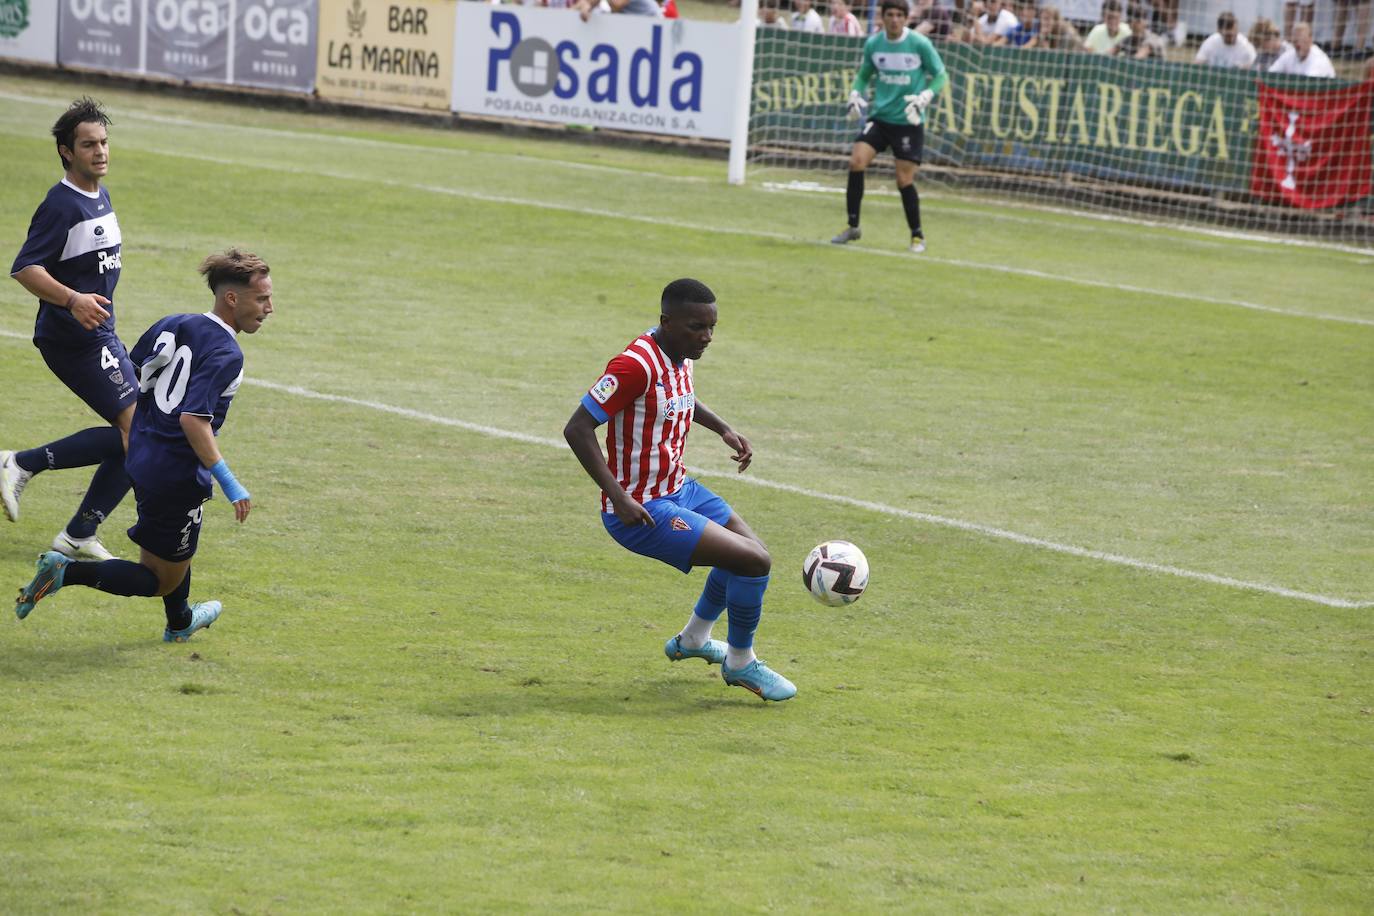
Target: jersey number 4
[[166, 372]]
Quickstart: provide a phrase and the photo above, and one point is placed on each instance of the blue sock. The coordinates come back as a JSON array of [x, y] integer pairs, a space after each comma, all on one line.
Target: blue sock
[[744, 598], [712, 600], [174, 603], [79, 450], [108, 486], [115, 577]]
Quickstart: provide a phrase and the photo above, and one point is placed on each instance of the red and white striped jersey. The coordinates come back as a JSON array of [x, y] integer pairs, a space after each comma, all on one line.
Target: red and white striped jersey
[[647, 404]]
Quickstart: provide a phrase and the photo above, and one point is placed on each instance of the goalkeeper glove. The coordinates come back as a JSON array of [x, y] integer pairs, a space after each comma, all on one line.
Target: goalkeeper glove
[[858, 105], [916, 105]]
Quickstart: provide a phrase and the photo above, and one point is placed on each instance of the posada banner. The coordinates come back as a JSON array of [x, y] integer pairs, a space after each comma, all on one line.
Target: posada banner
[[636, 73], [386, 53]]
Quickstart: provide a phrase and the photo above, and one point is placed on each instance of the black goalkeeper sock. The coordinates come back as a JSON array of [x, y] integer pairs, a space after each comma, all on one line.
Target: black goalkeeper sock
[[854, 196], [911, 203]]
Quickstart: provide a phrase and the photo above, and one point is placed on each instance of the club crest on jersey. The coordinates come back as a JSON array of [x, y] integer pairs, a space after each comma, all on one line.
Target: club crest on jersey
[[683, 403], [603, 389], [679, 525]]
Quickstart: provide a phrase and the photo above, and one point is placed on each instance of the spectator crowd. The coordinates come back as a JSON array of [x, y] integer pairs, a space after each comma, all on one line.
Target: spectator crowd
[[1141, 29]]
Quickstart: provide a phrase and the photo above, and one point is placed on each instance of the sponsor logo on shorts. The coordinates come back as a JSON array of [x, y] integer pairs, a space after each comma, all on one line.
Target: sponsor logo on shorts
[[603, 389], [679, 525], [193, 522]]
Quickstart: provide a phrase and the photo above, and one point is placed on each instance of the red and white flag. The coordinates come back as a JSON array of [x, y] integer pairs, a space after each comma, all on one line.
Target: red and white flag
[[1312, 149]]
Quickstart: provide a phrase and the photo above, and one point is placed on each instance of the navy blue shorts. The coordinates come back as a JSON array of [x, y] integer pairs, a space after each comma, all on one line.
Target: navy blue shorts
[[679, 521], [99, 374], [168, 524]]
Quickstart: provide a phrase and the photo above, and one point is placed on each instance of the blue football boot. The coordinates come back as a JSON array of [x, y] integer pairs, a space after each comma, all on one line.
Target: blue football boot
[[51, 567], [758, 678], [202, 615], [713, 651]]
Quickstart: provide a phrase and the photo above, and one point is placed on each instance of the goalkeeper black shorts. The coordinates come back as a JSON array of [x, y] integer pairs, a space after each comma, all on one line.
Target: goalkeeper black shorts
[[907, 140]]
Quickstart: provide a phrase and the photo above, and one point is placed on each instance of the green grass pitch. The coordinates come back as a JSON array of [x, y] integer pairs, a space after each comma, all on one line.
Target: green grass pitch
[[1116, 478]]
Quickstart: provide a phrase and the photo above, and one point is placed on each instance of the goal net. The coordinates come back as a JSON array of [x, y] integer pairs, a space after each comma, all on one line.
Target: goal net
[[1153, 136]]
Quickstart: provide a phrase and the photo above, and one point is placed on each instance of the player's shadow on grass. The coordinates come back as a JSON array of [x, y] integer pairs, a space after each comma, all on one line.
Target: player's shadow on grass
[[55, 658], [649, 699], [22, 554]]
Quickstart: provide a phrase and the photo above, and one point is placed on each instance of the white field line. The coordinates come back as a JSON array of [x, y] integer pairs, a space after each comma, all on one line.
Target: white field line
[[1180, 231], [508, 200], [366, 142], [924, 517], [1235, 235]]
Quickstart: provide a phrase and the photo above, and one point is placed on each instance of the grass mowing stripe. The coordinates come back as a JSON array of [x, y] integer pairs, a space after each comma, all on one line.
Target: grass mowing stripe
[[960, 204], [925, 517], [376, 144], [680, 224], [760, 234]]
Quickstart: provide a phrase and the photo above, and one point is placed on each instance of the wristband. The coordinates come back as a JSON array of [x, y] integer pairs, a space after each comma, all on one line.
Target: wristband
[[233, 490], [70, 300]]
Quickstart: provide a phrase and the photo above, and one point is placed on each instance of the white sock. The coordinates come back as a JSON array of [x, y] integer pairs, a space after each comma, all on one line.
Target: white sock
[[697, 631], [738, 658]]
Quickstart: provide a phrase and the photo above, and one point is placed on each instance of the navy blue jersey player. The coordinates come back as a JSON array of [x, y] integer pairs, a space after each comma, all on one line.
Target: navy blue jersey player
[[71, 262], [189, 368]]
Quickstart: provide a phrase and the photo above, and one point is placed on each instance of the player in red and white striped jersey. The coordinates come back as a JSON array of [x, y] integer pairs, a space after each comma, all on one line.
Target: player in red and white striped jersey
[[651, 401], [650, 506]]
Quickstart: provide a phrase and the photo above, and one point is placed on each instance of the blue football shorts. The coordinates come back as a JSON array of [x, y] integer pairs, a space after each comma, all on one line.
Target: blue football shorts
[[168, 523], [99, 373], [679, 521]]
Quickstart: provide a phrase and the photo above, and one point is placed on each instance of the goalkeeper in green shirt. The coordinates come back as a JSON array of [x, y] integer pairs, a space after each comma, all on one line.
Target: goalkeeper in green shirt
[[909, 73]]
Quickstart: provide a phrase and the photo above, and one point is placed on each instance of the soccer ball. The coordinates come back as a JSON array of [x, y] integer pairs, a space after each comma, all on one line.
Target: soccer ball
[[836, 573]]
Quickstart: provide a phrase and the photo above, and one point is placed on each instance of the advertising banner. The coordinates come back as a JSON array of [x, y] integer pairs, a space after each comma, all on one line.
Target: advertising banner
[[274, 44], [189, 40], [1156, 124], [624, 72], [1312, 149], [102, 34], [28, 30], [386, 53]]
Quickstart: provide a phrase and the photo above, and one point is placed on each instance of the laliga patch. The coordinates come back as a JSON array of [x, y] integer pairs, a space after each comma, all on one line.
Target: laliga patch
[[679, 525], [601, 392]]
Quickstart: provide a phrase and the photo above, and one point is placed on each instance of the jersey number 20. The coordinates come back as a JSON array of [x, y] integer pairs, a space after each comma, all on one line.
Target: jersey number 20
[[166, 372]]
